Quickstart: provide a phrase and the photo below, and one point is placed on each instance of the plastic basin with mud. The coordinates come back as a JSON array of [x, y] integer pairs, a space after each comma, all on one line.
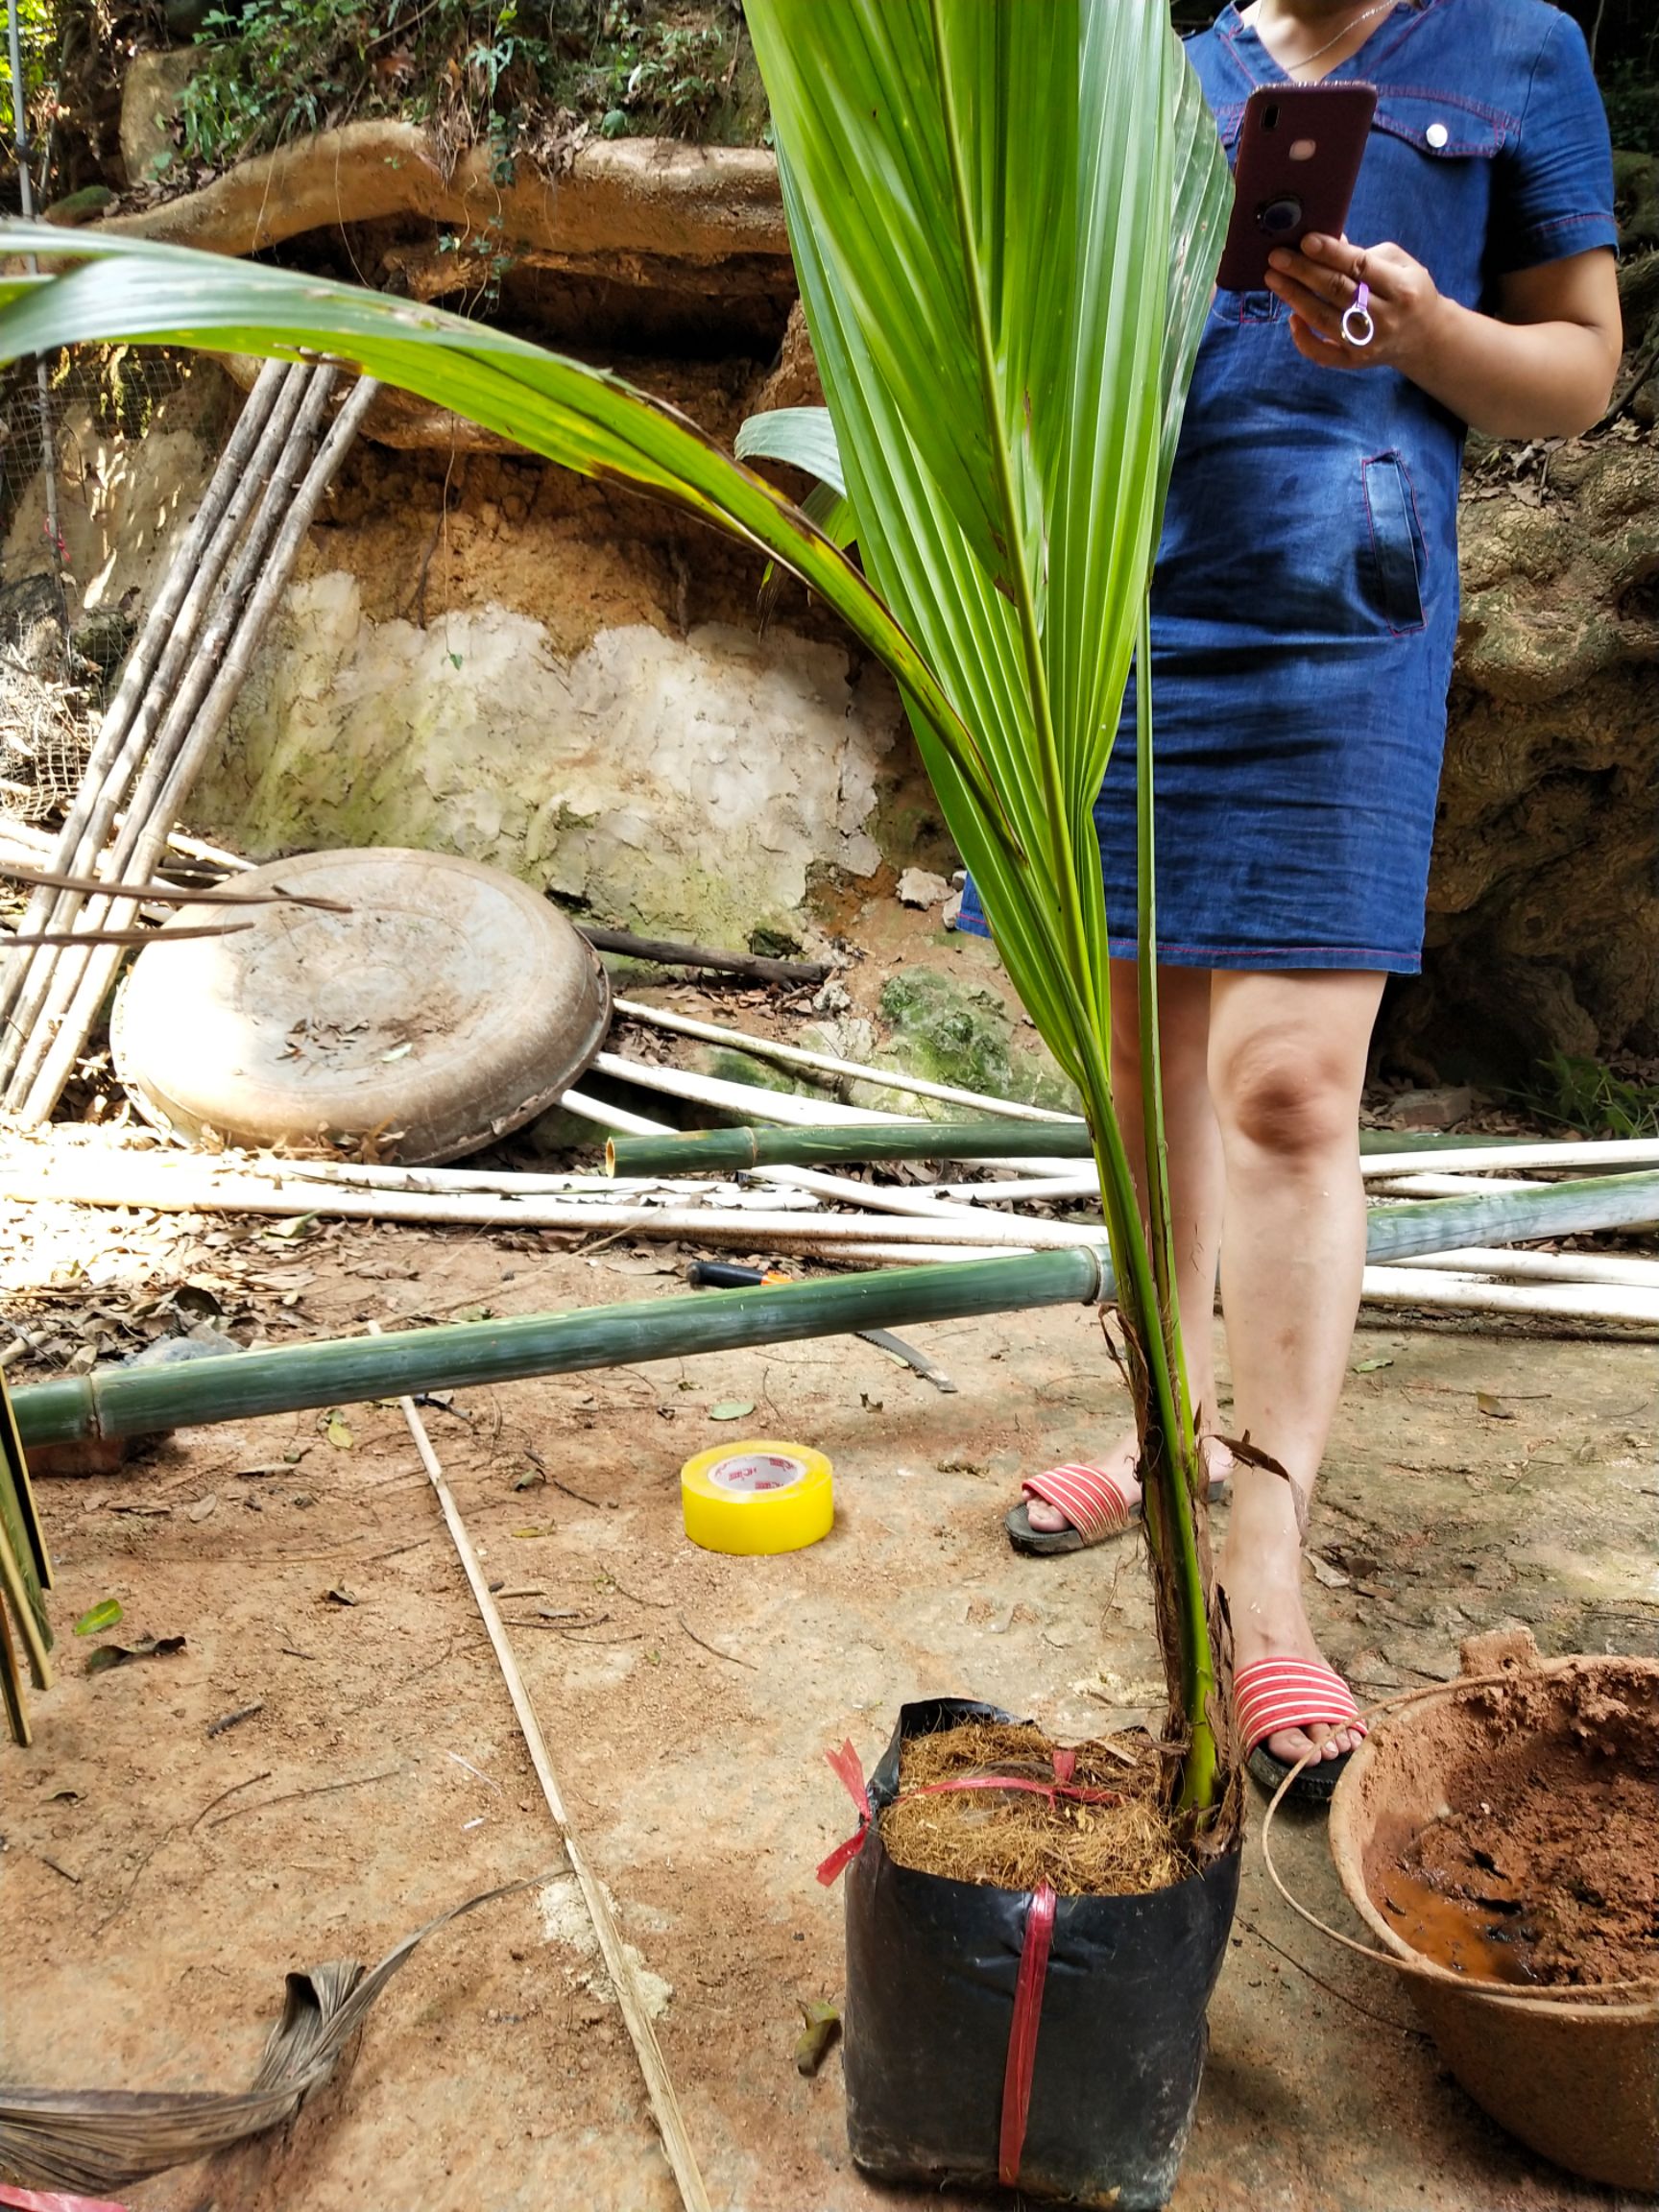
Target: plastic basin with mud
[[1500, 1839]]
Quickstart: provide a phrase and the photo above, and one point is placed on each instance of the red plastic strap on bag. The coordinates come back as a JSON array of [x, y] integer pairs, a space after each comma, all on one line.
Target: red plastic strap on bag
[[36, 2200], [844, 1764], [1022, 2034]]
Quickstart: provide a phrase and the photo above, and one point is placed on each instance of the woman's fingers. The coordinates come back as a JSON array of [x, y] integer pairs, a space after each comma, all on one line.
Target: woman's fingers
[[1313, 347], [1315, 306], [1312, 276]]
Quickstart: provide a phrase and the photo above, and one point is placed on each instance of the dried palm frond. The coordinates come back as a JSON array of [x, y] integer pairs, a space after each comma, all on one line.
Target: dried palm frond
[[101, 2139]]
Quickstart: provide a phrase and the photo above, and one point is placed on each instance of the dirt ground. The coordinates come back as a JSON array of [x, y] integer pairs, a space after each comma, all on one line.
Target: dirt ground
[[163, 1877]]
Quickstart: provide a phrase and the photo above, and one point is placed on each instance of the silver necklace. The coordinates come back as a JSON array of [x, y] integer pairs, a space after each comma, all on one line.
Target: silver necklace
[[1365, 15]]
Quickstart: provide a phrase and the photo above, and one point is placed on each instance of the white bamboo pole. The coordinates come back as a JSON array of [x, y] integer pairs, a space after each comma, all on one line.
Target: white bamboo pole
[[615, 1117], [1553, 1301], [1613, 1267], [827, 1063], [211, 718], [752, 1100], [1431, 1185], [1506, 1159], [147, 684], [178, 1183]]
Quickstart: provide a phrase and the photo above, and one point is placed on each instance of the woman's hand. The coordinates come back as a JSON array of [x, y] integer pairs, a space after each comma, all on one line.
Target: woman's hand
[[1321, 285], [1542, 367]]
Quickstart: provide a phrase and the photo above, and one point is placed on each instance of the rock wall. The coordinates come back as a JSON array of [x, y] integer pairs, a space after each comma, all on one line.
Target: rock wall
[[1543, 899], [688, 786]]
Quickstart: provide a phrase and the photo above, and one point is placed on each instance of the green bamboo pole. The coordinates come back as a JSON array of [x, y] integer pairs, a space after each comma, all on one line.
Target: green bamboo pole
[[340, 1371], [141, 1400], [696, 1151]]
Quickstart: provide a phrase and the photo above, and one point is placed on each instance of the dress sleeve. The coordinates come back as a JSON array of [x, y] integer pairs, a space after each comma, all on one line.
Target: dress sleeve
[[1555, 195]]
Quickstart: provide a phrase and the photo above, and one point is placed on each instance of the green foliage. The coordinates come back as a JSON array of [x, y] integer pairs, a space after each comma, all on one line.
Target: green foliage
[[38, 43], [1590, 1097], [1631, 94], [515, 73]]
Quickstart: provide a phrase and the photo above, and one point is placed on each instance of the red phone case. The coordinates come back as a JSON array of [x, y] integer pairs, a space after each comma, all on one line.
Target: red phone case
[[1300, 147]]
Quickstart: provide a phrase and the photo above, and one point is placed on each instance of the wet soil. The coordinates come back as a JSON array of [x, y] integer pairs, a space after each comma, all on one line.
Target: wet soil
[[1547, 1869]]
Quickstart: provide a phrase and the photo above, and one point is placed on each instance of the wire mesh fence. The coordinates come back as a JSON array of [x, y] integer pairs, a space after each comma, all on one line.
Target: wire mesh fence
[[66, 441]]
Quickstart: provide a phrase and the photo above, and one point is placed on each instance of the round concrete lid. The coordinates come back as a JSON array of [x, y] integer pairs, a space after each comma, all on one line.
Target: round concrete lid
[[447, 1006]]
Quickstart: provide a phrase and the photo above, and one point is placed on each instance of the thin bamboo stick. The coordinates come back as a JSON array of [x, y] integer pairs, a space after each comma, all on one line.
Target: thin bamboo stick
[[827, 1063], [1563, 1301], [41, 993], [160, 625], [619, 1963], [211, 718]]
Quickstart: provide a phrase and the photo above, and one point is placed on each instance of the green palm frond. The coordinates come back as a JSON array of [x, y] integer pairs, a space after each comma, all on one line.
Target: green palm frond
[[1004, 218]]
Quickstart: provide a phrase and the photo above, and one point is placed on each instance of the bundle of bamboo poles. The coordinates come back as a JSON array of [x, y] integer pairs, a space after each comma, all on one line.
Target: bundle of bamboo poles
[[175, 695], [25, 1577]]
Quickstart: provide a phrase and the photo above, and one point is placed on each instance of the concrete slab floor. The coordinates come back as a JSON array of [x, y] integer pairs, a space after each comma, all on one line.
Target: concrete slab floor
[[159, 1880]]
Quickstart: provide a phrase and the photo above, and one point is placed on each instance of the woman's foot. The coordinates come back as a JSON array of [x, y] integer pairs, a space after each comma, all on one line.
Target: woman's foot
[[1118, 1465], [1260, 1572]]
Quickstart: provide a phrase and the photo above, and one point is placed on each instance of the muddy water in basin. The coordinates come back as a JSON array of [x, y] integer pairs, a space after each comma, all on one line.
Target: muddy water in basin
[[1543, 1866]]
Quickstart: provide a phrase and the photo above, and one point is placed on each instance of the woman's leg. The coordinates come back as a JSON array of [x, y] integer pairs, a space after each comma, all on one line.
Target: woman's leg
[[1195, 1186], [1287, 1055]]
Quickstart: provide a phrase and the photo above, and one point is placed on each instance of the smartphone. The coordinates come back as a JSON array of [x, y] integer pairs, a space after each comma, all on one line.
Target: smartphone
[[1300, 147]]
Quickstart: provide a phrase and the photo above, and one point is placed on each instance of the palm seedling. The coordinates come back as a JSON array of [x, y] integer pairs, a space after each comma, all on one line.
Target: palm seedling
[[1005, 220]]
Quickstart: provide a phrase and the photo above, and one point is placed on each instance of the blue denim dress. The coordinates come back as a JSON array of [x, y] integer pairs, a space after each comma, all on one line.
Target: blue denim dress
[[1305, 603]]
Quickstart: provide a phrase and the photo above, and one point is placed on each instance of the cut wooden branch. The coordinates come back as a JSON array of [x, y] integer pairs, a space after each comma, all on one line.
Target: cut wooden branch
[[42, 993], [160, 624], [210, 720], [827, 1063], [668, 954], [620, 1961]]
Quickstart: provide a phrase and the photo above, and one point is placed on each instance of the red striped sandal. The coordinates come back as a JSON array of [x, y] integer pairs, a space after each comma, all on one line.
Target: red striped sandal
[[1093, 1501], [1275, 1694]]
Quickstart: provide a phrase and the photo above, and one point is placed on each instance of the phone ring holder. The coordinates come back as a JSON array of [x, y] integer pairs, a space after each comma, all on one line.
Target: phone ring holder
[[1357, 326]]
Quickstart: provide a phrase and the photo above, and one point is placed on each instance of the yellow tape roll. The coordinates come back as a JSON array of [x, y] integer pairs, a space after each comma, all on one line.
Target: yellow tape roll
[[759, 1496]]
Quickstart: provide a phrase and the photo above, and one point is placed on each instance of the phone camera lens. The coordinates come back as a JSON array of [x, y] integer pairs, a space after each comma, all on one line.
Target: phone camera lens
[[1280, 217]]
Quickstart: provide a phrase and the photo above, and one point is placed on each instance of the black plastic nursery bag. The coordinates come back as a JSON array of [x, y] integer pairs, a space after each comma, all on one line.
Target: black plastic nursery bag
[[1116, 2012]]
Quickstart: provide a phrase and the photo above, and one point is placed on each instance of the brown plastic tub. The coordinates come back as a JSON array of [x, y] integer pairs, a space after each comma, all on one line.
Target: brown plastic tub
[[1574, 2076]]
